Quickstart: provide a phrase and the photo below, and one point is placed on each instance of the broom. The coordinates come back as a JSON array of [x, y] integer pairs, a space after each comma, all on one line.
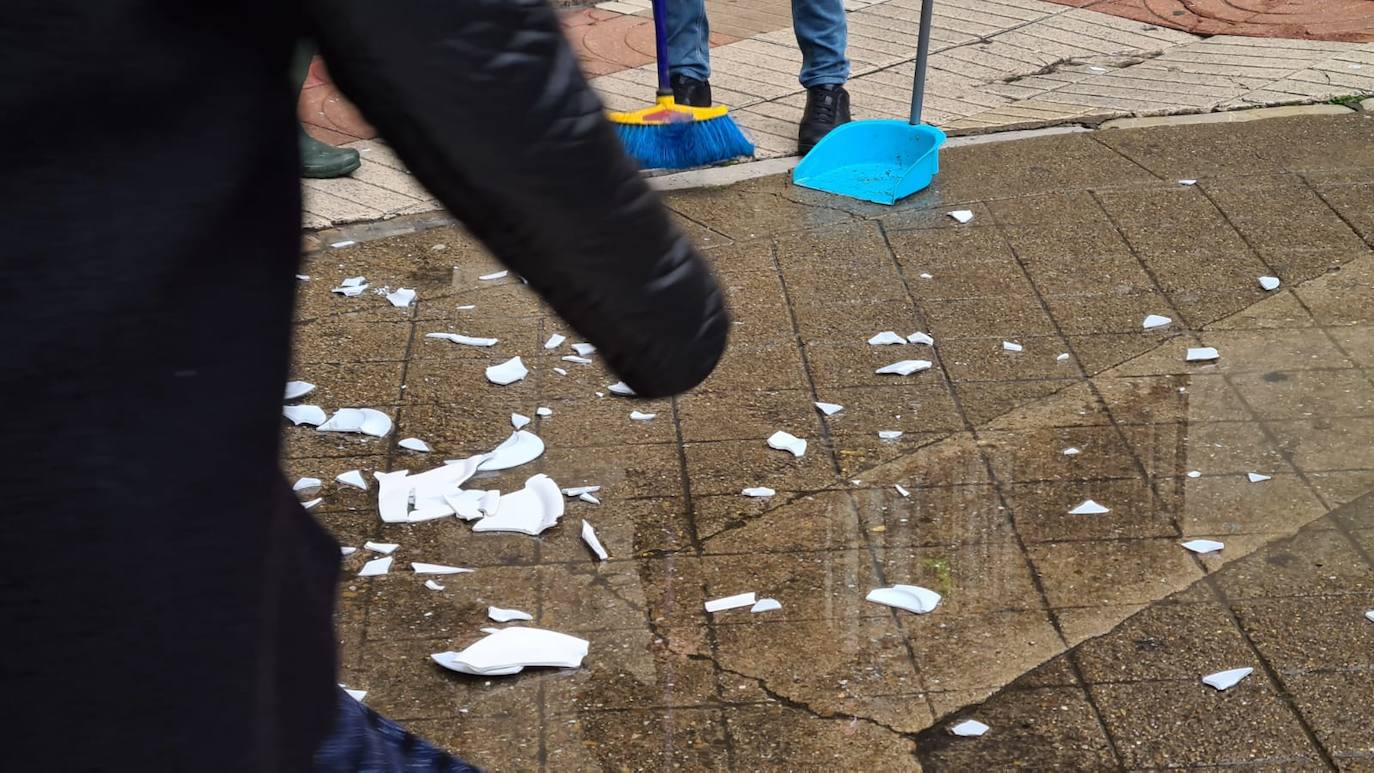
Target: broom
[[672, 136]]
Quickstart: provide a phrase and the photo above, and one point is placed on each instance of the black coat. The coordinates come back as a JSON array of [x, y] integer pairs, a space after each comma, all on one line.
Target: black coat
[[164, 602]]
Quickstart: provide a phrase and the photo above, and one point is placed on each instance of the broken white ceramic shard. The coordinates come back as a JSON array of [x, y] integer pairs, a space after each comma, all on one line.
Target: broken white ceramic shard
[[584, 350], [1201, 354], [356, 695], [508, 372], [904, 367], [619, 388], [926, 276], [490, 277], [576, 360], [1369, 615], [901, 490], [468, 307], [1153, 321], [423, 568], [304, 414], [401, 298], [467, 505], [298, 389], [352, 478], [829, 409], [1187, 182], [1225, 680], [350, 292], [428, 512], [962, 215], [784, 441], [1095, 68], [759, 491], [385, 548], [462, 339], [530, 510], [311, 504], [393, 495], [376, 566], [353, 281], [414, 444], [886, 338], [578, 491], [1203, 546], [641, 416], [305, 483], [588, 498], [1012, 346], [519, 420], [889, 434], [1256, 477], [1089, 507], [1063, 357], [520, 448], [969, 728], [368, 421], [303, 277], [560, 371], [346, 550], [556, 340], [506, 615], [920, 338], [589, 537], [1194, 474], [1072, 451], [507, 651], [912, 598], [731, 602], [1269, 282], [432, 585], [765, 605]]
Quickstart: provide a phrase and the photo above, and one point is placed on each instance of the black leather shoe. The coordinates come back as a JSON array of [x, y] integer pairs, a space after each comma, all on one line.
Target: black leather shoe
[[826, 108], [690, 91]]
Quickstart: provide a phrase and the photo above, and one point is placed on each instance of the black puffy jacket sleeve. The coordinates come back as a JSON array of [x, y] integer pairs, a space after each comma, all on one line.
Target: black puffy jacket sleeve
[[484, 100]]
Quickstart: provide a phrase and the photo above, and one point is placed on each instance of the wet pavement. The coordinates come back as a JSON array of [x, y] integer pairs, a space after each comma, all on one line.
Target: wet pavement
[[1079, 639]]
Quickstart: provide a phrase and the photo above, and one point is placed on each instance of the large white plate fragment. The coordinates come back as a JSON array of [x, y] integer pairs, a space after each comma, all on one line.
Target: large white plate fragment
[[530, 510], [620, 388], [401, 298], [904, 367], [1269, 282], [912, 598], [507, 615], [507, 651], [302, 484], [1203, 546], [376, 567], [423, 568], [298, 389], [368, 421], [731, 602], [969, 728], [350, 292], [886, 338], [784, 441], [304, 414], [1153, 321], [414, 444], [352, 478], [962, 215], [508, 372], [829, 409], [520, 448], [556, 340], [1201, 354], [462, 339], [385, 548], [589, 537], [920, 338], [1089, 507], [1225, 680]]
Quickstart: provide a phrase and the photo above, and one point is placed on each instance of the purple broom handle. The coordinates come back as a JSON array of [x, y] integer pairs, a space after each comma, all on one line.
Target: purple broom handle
[[660, 7]]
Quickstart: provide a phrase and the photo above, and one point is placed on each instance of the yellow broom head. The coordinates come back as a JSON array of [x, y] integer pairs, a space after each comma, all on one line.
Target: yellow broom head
[[667, 111]]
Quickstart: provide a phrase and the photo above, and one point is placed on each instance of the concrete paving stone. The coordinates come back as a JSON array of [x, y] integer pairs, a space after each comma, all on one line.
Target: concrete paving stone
[[1094, 573], [692, 738], [975, 579], [1336, 706], [1187, 723], [1324, 444], [325, 206], [1041, 510], [1305, 394], [984, 401], [1174, 641], [1231, 504], [1220, 448], [793, 522], [1037, 455], [892, 521], [1302, 635], [771, 735], [1043, 728], [747, 416], [1168, 400], [1314, 563]]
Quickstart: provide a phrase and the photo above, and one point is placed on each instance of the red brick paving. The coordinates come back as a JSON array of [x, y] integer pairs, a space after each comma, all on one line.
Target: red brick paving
[[1350, 21], [605, 42]]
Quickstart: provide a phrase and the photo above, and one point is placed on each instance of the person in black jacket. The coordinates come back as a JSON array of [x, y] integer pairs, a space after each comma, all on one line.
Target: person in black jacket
[[166, 602]]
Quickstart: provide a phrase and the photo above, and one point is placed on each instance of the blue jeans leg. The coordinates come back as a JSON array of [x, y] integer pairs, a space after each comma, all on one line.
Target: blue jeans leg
[[689, 39], [822, 36]]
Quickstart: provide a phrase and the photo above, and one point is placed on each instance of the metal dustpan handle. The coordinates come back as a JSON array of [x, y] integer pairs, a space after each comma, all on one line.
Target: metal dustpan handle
[[918, 86]]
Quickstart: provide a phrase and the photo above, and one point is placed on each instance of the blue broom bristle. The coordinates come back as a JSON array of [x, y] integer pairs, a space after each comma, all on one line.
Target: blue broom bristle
[[684, 145]]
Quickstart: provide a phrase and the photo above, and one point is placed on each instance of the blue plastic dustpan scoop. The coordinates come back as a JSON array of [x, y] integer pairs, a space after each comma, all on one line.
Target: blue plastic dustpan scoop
[[879, 161]]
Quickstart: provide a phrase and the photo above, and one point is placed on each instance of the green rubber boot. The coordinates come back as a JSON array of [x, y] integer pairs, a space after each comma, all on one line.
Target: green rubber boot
[[321, 160]]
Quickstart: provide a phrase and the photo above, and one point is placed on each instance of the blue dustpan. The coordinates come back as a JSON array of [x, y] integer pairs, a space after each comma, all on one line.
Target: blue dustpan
[[879, 161]]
